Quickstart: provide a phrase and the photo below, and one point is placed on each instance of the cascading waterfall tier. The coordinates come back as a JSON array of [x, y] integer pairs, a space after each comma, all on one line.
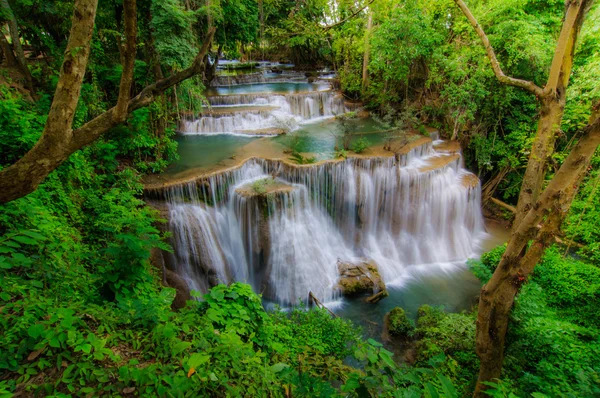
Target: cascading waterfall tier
[[284, 112], [282, 227], [257, 78]]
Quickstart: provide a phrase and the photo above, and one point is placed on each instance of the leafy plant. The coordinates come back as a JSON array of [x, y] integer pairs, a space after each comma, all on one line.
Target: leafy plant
[[359, 145]]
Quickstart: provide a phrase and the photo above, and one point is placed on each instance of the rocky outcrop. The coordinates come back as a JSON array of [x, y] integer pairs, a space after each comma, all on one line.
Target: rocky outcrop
[[361, 278]]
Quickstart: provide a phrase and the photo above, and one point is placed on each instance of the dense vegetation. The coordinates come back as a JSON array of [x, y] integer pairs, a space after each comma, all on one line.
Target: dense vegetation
[[83, 310]]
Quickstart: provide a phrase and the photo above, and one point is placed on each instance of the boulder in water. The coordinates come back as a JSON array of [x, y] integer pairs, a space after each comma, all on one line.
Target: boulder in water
[[360, 278]]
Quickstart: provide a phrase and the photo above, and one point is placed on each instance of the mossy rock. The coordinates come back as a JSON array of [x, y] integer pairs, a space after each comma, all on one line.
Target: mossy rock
[[398, 323], [361, 278]]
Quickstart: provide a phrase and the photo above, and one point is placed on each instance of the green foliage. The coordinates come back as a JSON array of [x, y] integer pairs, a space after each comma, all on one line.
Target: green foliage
[[360, 145], [452, 337], [548, 353], [301, 159], [572, 287], [340, 153], [553, 341], [261, 186], [399, 323], [20, 125], [485, 267], [172, 27]]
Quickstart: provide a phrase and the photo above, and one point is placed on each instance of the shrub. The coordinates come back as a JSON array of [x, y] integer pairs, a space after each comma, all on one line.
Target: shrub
[[399, 324], [360, 145]]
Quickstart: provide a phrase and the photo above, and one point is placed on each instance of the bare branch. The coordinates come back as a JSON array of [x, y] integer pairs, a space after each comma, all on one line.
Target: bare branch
[[502, 78], [355, 13]]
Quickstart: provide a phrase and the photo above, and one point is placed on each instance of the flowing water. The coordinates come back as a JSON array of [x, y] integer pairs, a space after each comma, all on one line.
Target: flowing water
[[282, 228], [250, 109]]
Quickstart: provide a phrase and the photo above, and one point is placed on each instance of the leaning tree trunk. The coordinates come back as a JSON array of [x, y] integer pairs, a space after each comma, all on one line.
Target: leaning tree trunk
[[59, 140], [537, 217], [365, 67], [539, 226]]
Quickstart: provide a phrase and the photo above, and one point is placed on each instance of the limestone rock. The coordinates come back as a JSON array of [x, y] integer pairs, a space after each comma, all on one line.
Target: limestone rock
[[360, 278], [182, 291]]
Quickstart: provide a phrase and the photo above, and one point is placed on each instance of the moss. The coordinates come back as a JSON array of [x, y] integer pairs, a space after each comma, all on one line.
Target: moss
[[399, 324], [428, 316], [355, 286]]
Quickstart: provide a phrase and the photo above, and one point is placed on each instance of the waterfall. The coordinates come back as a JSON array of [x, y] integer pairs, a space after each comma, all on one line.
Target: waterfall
[[283, 112], [258, 78], [282, 227]]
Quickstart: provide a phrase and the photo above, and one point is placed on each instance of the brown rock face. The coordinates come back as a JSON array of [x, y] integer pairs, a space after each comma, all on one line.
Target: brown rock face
[[360, 278]]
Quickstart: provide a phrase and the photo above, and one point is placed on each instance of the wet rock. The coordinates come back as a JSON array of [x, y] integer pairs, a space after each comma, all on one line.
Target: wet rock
[[312, 79], [360, 278], [182, 291]]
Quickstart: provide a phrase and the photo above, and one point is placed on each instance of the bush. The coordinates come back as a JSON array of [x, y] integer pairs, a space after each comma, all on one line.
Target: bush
[[449, 336], [399, 324], [360, 145], [485, 267]]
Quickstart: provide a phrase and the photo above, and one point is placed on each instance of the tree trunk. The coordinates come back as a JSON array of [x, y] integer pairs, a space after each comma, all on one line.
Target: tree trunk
[[365, 71], [552, 107], [540, 224], [58, 140], [16, 42], [537, 216], [7, 51], [551, 112]]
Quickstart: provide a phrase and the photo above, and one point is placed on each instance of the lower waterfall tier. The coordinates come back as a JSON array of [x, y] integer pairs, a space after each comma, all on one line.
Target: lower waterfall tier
[[283, 228]]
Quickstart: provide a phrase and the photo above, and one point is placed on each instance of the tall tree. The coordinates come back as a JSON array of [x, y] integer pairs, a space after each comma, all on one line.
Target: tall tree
[[59, 140], [539, 212]]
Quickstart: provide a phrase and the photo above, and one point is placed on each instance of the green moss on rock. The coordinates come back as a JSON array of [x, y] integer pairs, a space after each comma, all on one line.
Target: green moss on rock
[[398, 323]]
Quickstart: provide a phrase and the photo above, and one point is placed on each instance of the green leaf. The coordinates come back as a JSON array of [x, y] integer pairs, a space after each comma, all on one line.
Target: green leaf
[[431, 391], [36, 330], [447, 386], [278, 367], [197, 359], [217, 294], [87, 348], [180, 347], [25, 240]]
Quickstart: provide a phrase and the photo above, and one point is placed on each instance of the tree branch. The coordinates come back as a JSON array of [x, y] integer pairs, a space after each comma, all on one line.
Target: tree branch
[[565, 45], [93, 129], [127, 59], [502, 78], [58, 141], [326, 28]]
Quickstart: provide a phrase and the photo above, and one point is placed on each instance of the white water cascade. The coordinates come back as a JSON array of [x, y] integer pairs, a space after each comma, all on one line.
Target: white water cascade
[[285, 240], [284, 112]]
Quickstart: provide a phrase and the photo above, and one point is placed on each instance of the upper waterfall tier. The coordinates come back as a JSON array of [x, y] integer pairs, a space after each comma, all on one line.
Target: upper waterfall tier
[[284, 112], [283, 227]]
